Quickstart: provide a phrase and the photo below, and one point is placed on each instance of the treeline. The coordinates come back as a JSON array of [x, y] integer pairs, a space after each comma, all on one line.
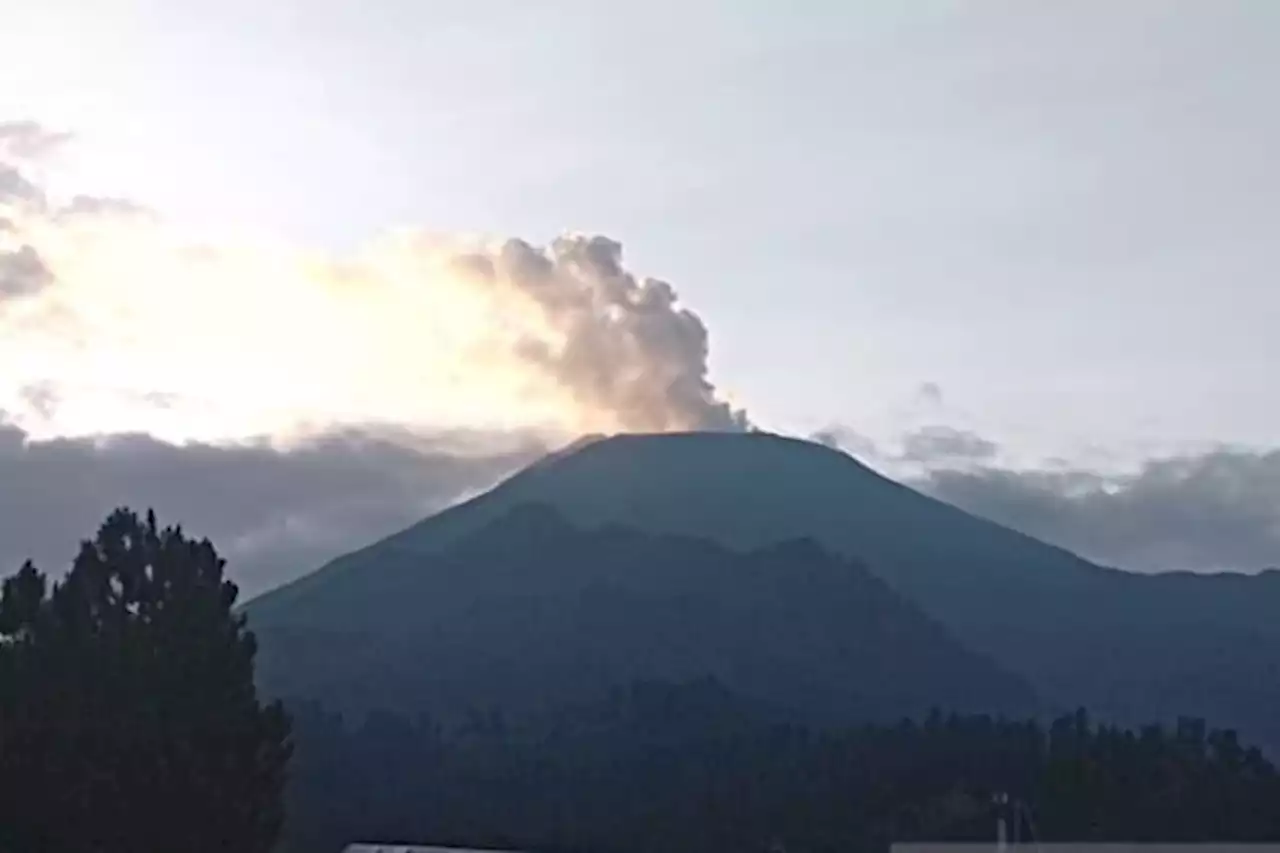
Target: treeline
[[130, 723], [688, 767]]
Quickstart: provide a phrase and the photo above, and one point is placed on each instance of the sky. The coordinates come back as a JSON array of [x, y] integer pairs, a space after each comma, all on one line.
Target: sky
[[1021, 254]]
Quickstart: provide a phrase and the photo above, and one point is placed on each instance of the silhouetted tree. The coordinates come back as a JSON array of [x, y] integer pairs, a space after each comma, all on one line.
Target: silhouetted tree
[[129, 720]]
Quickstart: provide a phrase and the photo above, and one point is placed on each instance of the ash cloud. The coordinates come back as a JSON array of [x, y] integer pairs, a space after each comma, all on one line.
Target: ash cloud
[[622, 343]]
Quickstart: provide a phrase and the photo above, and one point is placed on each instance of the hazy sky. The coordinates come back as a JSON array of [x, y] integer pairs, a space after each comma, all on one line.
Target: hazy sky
[[1055, 226]]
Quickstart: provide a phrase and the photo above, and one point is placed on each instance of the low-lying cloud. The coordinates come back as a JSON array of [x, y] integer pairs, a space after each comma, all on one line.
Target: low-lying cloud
[[1212, 511], [932, 444], [273, 513], [1205, 511], [926, 447]]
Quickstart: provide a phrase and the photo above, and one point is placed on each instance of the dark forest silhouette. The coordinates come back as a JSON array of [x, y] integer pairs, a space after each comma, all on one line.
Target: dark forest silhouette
[[129, 720], [689, 767]]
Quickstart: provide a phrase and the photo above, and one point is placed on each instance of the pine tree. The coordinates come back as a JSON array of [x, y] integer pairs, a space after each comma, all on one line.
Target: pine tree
[[129, 720]]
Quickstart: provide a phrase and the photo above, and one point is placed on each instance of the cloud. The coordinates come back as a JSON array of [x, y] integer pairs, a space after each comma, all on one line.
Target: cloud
[[1216, 510], [923, 447], [242, 337], [839, 437], [92, 205], [29, 140], [14, 186], [273, 513], [933, 444], [40, 398], [930, 393], [22, 273], [1212, 511], [22, 142]]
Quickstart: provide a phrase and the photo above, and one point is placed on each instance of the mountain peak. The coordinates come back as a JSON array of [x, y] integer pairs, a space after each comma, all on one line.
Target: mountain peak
[[715, 458], [530, 609], [1082, 633]]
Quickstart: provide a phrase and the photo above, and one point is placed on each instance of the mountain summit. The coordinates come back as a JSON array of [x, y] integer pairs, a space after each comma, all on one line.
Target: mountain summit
[[1131, 646]]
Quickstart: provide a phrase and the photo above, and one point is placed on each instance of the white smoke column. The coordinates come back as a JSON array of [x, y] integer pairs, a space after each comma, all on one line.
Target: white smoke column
[[111, 320], [621, 345]]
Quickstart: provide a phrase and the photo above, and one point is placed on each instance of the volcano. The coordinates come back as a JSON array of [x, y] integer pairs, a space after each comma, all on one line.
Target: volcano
[[751, 557]]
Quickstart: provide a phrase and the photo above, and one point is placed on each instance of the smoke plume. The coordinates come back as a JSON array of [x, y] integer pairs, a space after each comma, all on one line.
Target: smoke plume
[[131, 325], [620, 344]]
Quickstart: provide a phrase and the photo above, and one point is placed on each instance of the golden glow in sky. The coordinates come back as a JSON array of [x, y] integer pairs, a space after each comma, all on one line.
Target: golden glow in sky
[[142, 330], [121, 323]]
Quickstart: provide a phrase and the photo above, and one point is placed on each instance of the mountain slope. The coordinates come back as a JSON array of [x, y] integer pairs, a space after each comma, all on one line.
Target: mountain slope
[[530, 612], [1132, 646]]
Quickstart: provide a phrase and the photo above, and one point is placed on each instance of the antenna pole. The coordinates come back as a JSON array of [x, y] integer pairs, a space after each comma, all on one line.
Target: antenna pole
[[1001, 800]]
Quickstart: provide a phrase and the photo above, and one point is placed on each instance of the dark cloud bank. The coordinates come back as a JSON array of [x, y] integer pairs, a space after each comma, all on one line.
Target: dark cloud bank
[[1213, 511], [278, 513], [273, 513], [1210, 511]]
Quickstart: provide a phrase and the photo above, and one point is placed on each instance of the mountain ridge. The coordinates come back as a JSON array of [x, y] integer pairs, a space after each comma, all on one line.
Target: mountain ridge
[[418, 537], [530, 611], [1135, 647]]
